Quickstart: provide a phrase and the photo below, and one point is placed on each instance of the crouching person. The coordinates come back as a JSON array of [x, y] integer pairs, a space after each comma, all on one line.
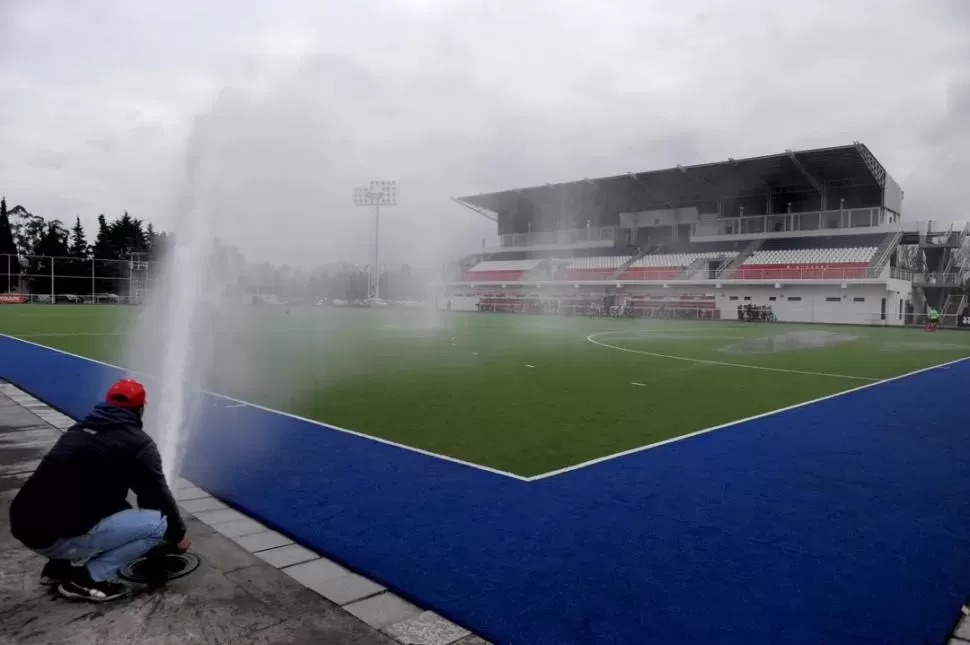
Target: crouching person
[[74, 511]]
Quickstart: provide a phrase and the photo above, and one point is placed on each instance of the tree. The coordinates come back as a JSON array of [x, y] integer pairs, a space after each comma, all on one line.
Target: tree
[[128, 236], [10, 267], [908, 257], [102, 248], [50, 249], [79, 266], [27, 229], [78, 246], [53, 240]]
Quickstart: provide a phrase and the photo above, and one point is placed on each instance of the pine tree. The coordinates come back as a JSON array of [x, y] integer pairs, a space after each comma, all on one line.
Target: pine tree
[[9, 262], [103, 248], [48, 257], [78, 246]]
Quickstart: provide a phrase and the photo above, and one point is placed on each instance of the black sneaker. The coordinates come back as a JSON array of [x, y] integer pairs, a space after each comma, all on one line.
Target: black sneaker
[[80, 586], [55, 572]]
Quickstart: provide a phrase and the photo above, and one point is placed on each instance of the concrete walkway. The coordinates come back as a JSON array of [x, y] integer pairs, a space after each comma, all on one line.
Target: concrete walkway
[[273, 595]]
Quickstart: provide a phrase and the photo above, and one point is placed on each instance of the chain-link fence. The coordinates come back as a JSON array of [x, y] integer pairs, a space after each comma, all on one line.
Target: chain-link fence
[[43, 279], [63, 280]]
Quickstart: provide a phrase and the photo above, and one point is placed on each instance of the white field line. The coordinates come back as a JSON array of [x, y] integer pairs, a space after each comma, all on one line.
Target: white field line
[[328, 426], [592, 339], [552, 473], [803, 404]]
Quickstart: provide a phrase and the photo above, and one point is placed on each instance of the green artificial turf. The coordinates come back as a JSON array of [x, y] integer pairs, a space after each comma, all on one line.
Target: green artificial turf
[[525, 394]]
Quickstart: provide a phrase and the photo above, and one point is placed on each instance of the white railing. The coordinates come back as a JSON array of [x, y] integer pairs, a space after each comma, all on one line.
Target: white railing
[[803, 273], [938, 279], [558, 238], [742, 273], [787, 222]]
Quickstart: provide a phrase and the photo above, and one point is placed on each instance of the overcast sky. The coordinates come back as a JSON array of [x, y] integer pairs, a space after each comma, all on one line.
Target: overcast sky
[[297, 101]]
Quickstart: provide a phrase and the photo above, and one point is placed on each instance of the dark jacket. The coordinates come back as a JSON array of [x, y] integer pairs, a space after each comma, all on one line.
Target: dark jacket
[[86, 477]]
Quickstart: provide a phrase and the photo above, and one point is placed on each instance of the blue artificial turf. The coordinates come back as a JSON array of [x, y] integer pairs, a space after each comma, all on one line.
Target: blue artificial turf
[[845, 521]]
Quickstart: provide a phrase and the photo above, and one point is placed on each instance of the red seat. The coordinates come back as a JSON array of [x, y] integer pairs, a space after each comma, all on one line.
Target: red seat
[[493, 276], [589, 274], [832, 271], [650, 273]]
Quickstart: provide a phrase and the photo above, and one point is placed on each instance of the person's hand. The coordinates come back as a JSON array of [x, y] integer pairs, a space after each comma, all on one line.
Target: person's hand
[[184, 544]]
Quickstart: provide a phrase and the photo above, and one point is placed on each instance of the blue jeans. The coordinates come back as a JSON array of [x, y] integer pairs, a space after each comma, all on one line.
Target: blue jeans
[[112, 543]]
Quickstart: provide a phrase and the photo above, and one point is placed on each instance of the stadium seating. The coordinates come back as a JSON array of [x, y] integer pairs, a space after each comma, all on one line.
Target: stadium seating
[[594, 268], [668, 266], [500, 270], [806, 263]]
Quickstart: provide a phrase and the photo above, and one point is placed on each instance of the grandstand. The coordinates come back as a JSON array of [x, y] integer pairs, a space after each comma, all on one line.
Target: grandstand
[[814, 234]]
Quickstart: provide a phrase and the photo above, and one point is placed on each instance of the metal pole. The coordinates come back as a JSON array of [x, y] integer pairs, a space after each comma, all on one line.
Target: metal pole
[[377, 254], [93, 298], [9, 271], [53, 297]]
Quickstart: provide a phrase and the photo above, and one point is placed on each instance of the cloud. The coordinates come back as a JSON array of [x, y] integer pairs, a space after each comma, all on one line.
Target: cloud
[[306, 99]]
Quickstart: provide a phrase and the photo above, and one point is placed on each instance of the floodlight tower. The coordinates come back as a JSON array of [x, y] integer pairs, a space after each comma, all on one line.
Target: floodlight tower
[[379, 193]]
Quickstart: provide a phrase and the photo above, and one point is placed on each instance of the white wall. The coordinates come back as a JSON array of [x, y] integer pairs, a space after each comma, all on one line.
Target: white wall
[[858, 304]]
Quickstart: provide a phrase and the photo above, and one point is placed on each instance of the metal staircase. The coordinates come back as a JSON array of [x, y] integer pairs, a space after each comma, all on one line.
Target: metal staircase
[[539, 273], [626, 265], [952, 308], [700, 264], [728, 269], [883, 254]]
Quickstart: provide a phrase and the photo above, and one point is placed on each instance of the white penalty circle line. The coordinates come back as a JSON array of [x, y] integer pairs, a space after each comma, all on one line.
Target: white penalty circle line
[[592, 339]]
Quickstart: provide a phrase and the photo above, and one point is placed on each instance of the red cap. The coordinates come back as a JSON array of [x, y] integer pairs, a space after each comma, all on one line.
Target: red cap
[[126, 393]]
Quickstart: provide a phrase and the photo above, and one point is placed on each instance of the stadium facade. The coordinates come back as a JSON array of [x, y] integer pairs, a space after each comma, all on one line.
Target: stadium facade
[[811, 236]]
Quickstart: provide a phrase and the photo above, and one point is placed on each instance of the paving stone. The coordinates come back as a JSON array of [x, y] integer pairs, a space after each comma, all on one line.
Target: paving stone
[[385, 609], [185, 494], [314, 573], [286, 556], [347, 588], [199, 505], [320, 629], [222, 554], [195, 527], [286, 596], [262, 541], [427, 628], [181, 482], [238, 528], [220, 516]]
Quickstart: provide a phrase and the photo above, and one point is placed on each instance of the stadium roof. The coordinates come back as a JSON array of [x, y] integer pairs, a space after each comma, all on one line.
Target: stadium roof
[[850, 166]]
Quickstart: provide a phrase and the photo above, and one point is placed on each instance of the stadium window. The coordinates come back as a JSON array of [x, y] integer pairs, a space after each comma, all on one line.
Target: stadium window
[[795, 299], [833, 299], [747, 297], [733, 298], [772, 298], [857, 299]]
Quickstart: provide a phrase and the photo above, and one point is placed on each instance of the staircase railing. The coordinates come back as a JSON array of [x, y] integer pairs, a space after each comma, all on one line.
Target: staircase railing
[[882, 255], [694, 267], [725, 271], [626, 265], [954, 304]]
